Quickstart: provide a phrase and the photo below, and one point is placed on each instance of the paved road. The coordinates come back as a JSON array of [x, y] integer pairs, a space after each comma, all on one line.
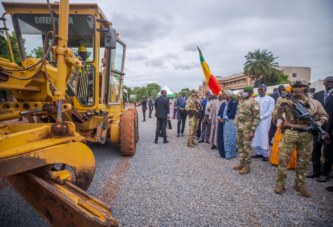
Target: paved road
[[171, 184]]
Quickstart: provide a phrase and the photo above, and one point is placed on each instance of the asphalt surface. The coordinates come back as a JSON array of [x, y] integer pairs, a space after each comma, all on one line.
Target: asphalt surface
[[171, 184]]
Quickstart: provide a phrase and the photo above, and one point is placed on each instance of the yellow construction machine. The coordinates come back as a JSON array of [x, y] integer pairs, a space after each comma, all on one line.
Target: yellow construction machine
[[70, 94]]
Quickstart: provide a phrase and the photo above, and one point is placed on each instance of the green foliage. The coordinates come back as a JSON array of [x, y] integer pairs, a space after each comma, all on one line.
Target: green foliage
[[187, 90], [282, 79], [128, 92], [4, 50], [151, 90], [36, 53], [139, 92], [261, 66], [153, 86], [153, 93]]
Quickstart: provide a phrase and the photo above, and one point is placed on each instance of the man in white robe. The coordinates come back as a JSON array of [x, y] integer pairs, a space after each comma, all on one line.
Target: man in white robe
[[214, 110], [260, 142]]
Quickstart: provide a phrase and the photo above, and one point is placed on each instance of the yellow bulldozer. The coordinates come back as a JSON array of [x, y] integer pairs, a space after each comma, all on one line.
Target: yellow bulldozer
[[68, 94]]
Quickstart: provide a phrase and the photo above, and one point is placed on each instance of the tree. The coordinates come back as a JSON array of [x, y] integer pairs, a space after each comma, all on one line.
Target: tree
[[261, 66], [36, 53], [151, 87], [280, 78], [187, 91], [153, 93], [4, 50], [140, 92]]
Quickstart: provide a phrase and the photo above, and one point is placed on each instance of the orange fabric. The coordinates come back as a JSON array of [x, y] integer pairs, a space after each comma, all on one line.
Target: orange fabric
[[274, 159]]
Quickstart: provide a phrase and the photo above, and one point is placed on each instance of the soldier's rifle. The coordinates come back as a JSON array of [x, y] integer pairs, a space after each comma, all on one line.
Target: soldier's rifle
[[301, 113]]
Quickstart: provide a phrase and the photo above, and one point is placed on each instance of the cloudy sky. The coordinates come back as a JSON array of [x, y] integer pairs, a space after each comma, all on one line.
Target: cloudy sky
[[162, 36]]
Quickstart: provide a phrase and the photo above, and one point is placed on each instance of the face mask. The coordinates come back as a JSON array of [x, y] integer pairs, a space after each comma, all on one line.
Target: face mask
[[245, 94]]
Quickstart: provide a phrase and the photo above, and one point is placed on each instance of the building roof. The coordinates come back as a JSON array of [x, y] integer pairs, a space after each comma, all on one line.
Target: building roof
[[233, 76], [285, 67]]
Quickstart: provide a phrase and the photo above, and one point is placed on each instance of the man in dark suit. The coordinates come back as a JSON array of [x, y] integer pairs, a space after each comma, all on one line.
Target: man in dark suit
[[181, 113], [325, 97], [162, 110], [144, 107], [272, 129]]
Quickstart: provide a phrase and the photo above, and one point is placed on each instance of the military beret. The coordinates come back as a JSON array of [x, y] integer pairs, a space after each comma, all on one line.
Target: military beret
[[296, 83], [248, 88], [193, 91]]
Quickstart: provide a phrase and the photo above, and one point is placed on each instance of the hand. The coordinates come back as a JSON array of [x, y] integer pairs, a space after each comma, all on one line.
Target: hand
[[222, 120], [251, 135]]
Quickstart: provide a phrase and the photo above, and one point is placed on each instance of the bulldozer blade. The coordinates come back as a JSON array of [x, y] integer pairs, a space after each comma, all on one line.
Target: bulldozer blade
[[62, 205]]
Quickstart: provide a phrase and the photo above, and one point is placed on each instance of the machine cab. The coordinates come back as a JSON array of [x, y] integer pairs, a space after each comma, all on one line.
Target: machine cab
[[99, 81]]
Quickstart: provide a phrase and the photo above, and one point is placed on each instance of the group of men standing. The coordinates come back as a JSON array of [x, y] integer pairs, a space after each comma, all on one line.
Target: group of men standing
[[256, 121]]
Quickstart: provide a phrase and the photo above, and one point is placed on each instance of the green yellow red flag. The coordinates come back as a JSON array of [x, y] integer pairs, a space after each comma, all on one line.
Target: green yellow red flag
[[212, 83]]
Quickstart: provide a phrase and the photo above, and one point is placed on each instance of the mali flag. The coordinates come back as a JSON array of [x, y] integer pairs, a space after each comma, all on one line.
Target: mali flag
[[211, 80]]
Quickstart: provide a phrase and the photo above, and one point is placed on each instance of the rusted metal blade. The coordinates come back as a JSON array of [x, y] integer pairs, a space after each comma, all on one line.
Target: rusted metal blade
[[62, 205]]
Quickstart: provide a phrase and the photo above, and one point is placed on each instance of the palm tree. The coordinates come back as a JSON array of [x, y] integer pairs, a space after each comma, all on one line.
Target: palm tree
[[261, 66]]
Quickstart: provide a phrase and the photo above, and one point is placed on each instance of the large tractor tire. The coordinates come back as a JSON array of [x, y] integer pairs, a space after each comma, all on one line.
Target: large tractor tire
[[136, 118], [127, 133]]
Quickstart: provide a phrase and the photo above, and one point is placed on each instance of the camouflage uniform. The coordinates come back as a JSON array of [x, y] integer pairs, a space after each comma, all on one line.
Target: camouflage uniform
[[247, 120], [193, 107], [298, 137]]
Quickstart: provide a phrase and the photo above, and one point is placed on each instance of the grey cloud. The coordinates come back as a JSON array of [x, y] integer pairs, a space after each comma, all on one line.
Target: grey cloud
[[158, 62], [185, 66], [140, 30], [171, 56]]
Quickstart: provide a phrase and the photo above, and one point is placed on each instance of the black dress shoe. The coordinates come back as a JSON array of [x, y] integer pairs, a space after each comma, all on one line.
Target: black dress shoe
[[183, 134], [330, 189], [177, 135], [313, 175], [155, 141], [213, 147], [165, 141], [200, 141], [322, 179], [265, 159], [207, 141], [257, 156]]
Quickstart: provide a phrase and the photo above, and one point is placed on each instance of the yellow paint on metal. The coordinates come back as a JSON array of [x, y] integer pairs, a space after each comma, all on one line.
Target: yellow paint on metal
[[115, 132]]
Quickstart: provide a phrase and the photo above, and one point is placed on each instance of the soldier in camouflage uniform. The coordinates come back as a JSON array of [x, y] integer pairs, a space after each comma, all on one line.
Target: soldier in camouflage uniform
[[193, 107], [298, 133], [246, 120]]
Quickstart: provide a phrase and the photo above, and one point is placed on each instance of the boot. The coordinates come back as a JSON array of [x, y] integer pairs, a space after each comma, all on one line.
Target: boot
[[245, 170], [194, 143], [279, 189], [189, 144], [302, 190], [239, 167]]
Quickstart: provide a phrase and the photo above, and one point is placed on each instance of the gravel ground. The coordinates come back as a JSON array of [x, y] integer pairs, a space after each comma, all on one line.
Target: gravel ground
[[171, 184]]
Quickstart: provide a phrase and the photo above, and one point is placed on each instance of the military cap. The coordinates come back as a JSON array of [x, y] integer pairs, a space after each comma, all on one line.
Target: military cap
[[248, 88], [193, 91], [297, 83]]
